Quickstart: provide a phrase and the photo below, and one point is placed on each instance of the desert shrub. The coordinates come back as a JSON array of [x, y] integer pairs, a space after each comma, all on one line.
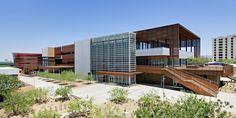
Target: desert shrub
[[109, 111], [119, 95], [82, 108], [150, 105], [47, 114], [63, 92], [38, 95], [89, 78], [199, 107], [17, 103], [8, 84]]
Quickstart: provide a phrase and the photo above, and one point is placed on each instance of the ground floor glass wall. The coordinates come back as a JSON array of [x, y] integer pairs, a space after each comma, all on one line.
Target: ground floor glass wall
[[121, 80], [161, 62]]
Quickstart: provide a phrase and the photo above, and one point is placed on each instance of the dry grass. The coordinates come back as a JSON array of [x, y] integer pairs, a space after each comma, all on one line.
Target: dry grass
[[58, 106], [129, 107], [229, 88]]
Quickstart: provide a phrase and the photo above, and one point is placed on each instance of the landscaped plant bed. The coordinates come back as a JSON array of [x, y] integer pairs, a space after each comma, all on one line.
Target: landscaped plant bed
[[79, 81], [49, 80], [60, 107], [70, 85], [63, 83], [44, 79], [56, 81]]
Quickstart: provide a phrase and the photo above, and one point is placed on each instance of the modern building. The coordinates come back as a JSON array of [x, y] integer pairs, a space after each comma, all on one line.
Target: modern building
[[28, 62], [58, 59], [156, 56], [224, 47]]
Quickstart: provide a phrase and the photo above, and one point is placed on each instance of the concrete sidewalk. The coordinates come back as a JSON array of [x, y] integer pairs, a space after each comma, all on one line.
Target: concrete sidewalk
[[99, 91]]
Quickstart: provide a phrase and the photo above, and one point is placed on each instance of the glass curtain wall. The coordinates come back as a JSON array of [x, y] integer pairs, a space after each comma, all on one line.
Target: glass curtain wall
[[114, 53]]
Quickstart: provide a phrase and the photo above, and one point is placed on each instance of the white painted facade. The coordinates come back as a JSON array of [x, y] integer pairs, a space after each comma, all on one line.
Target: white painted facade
[[224, 47], [184, 54], [9, 71], [153, 52], [45, 52], [82, 57]]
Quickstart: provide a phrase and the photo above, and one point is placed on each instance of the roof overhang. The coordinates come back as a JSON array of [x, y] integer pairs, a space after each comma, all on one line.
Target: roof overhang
[[118, 73]]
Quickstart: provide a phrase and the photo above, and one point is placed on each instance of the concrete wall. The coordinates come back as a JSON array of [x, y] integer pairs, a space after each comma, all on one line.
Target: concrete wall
[[153, 52], [82, 57], [48, 52], [185, 54]]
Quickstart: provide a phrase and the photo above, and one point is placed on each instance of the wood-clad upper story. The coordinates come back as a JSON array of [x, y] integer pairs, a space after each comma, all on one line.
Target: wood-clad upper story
[[171, 36]]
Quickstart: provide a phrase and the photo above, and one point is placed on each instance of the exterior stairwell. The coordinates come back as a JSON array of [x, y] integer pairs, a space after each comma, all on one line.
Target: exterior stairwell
[[189, 80]]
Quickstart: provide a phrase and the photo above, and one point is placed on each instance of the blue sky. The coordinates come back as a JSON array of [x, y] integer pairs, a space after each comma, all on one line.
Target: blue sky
[[30, 25]]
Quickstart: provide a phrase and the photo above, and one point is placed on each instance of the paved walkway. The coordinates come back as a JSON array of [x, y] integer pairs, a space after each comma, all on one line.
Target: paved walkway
[[98, 91]]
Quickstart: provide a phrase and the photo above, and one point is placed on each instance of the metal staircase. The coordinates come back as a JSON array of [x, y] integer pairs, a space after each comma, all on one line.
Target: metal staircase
[[194, 82]]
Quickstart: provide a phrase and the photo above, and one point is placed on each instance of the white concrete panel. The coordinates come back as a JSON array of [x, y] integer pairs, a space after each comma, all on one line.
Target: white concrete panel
[[9, 71], [45, 52], [185, 55], [153, 52], [82, 57]]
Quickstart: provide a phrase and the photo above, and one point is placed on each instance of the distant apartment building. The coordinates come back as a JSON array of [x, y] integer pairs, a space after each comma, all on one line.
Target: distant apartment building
[[224, 47], [28, 62]]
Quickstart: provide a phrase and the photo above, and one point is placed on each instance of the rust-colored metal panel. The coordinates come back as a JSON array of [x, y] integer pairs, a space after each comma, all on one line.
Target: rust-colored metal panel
[[27, 61], [68, 48]]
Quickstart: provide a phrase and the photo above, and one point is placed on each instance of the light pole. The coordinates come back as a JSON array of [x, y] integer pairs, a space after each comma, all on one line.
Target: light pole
[[163, 85]]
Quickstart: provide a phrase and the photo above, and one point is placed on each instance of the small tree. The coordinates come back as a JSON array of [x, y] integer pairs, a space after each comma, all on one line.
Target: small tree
[[47, 114], [63, 92], [119, 95]]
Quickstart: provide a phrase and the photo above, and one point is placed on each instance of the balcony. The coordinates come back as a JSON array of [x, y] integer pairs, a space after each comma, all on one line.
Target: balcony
[[162, 51]]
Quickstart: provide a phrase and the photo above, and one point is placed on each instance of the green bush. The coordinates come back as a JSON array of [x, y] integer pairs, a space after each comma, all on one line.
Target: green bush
[[49, 75], [150, 105], [119, 95], [39, 95], [68, 76], [64, 76], [47, 114], [63, 92], [82, 108], [17, 103], [89, 78], [8, 84]]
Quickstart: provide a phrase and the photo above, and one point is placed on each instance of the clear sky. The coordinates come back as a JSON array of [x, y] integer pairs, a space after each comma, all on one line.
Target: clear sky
[[30, 25]]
